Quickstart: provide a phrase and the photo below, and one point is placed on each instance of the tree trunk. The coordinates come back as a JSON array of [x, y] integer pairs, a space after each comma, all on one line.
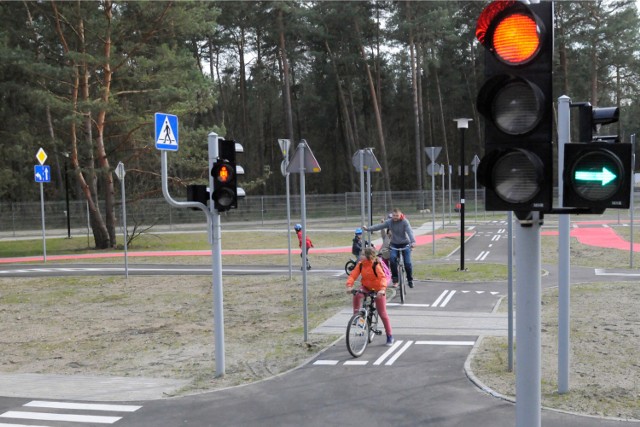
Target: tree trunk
[[344, 114], [416, 111], [374, 101], [89, 189], [442, 122], [103, 161], [286, 80], [243, 84]]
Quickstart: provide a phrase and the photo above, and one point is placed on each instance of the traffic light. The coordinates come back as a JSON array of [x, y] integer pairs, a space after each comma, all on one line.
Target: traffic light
[[198, 193], [597, 171], [516, 101], [225, 173]]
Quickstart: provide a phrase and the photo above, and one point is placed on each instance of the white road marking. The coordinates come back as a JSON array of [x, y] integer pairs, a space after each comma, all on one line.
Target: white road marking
[[18, 425], [388, 353], [440, 298], [83, 406], [495, 238], [603, 272], [399, 353], [445, 342], [447, 299], [43, 416]]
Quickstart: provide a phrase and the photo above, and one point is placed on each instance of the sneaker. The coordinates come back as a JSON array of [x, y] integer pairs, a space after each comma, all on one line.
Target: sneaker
[[390, 340], [410, 283], [395, 284]]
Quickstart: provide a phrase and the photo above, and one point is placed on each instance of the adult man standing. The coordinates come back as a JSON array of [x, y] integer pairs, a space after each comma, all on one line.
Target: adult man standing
[[401, 238]]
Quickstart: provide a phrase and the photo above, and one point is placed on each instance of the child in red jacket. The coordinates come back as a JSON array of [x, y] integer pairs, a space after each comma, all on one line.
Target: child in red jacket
[[308, 244]]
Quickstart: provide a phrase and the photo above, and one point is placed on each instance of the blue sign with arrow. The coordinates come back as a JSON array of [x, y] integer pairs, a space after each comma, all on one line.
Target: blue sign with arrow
[[42, 173]]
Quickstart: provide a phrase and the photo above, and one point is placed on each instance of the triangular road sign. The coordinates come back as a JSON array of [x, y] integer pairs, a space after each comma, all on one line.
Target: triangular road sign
[[303, 160], [433, 152], [369, 161]]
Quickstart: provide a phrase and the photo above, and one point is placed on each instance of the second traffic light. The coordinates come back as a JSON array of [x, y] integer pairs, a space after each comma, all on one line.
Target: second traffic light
[[225, 173], [597, 171], [516, 102], [597, 175]]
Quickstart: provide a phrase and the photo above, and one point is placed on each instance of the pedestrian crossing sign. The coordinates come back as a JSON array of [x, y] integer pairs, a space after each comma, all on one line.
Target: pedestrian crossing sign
[[166, 132]]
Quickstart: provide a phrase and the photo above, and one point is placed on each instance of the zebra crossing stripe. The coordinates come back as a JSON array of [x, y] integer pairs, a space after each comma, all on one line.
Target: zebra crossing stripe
[[44, 416], [399, 353], [82, 406], [18, 425], [446, 295], [388, 353]]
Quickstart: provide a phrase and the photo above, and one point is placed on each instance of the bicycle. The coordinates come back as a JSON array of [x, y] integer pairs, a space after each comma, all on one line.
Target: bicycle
[[402, 273], [350, 265], [363, 326]]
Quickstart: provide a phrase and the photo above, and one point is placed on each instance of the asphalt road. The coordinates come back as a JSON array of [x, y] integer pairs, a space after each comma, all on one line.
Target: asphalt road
[[419, 381]]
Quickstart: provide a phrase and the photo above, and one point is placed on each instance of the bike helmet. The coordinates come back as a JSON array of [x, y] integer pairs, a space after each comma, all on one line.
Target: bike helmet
[[297, 227], [358, 230]]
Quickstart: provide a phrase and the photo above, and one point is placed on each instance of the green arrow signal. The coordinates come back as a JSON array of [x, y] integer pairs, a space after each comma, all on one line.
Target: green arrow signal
[[605, 177]]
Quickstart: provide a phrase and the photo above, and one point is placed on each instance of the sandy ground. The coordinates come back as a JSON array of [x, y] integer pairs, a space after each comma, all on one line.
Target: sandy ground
[[159, 327], [604, 374]]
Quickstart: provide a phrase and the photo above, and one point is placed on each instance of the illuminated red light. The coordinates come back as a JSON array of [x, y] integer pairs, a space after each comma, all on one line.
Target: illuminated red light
[[516, 39], [512, 34]]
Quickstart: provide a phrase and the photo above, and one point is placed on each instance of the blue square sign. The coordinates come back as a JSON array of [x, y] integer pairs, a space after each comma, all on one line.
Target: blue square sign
[[166, 132], [42, 173]]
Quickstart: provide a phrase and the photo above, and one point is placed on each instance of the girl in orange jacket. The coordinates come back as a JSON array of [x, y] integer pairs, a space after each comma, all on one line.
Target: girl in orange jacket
[[372, 281]]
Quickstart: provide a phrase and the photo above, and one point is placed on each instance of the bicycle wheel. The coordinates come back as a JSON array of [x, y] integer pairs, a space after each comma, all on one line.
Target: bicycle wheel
[[357, 334], [349, 266], [401, 285], [373, 326]]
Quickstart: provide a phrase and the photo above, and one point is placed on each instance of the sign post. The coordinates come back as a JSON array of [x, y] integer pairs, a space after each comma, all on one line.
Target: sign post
[[474, 166], [120, 173], [433, 153], [303, 161], [42, 173], [365, 161], [285, 144]]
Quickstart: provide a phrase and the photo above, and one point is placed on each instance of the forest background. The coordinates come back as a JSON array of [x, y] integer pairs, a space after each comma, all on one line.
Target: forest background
[[83, 80]]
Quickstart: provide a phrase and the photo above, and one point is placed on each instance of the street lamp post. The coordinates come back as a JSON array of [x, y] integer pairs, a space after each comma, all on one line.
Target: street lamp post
[[462, 125]]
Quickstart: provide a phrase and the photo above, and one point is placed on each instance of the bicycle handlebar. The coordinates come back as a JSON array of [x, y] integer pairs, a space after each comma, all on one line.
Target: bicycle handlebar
[[360, 291]]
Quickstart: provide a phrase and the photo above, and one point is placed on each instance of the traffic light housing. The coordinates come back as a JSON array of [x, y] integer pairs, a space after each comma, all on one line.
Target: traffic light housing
[[516, 101], [598, 170], [198, 193], [225, 173]]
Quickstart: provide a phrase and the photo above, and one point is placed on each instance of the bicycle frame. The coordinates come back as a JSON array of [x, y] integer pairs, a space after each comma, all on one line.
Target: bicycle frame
[[363, 326]]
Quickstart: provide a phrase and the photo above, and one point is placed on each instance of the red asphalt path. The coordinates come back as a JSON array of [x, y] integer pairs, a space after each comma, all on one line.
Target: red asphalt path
[[602, 237]]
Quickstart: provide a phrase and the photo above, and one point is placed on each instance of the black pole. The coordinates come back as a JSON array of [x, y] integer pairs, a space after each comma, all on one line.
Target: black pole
[[461, 199], [66, 192]]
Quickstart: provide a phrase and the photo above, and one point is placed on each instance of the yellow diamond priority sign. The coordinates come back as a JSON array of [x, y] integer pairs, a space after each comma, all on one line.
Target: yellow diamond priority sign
[[41, 156]]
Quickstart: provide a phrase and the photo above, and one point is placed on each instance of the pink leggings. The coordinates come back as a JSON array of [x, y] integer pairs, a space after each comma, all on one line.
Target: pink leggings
[[381, 306]]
